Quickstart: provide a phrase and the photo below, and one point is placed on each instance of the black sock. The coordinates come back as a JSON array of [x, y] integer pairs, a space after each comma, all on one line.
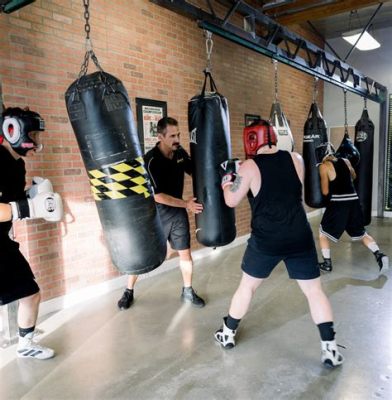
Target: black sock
[[129, 290], [326, 331], [231, 322], [24, 331]]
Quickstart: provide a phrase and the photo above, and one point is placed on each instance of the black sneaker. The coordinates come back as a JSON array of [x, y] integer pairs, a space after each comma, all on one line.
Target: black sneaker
[[326, 265], [188, 295], [382, 261], [126, 300]]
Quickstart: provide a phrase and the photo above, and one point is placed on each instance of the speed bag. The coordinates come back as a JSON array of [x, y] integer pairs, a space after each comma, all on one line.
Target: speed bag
[[209, 128], [348, 150], [315, 133], [101, 117], [364, 142], [279, 121]]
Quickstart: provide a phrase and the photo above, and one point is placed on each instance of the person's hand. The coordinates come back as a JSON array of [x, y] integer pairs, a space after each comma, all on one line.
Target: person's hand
[[193, 206], [229, 171]]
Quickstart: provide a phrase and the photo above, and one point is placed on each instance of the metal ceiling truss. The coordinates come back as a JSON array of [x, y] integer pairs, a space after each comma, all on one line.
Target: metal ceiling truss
[[265, 36]]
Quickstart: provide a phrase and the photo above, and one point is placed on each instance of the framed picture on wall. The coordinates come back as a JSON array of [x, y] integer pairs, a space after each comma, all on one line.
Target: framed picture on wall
[[249, 118], [148, 113]]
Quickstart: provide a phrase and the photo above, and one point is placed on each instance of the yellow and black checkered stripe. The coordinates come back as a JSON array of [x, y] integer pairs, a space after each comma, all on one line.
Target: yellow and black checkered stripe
[[119, 181]]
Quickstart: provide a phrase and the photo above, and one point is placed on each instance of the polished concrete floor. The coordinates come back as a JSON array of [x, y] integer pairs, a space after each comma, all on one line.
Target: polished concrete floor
[[161, 349]]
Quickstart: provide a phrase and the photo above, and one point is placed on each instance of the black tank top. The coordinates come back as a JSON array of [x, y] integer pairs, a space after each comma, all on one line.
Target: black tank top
[[279, 223], [12, 183], [342, 187]]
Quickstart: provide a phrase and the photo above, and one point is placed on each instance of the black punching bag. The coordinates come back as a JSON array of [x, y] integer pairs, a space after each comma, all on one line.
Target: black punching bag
[[348, 150], [99, 111], [364, 142], [315, 133], [209, 130]]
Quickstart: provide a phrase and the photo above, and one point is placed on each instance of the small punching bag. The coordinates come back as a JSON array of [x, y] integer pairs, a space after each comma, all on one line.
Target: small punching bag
[[209, 130], [101, 117], [347, 148], [279, 121], [315, 133], [364, 142]]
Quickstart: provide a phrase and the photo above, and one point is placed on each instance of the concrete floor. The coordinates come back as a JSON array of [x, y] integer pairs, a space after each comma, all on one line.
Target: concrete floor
[[160, 349]]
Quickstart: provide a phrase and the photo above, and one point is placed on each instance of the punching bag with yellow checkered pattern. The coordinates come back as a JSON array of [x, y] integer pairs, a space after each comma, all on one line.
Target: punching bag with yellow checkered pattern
[[100, 113]]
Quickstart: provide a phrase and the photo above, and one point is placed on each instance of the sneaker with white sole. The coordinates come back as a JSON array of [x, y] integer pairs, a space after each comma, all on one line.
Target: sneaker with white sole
[[225, 336], [28, 348], [330, 354]]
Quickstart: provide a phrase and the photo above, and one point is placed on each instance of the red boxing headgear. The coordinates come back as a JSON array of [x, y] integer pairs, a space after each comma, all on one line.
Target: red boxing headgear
[[260, 133]]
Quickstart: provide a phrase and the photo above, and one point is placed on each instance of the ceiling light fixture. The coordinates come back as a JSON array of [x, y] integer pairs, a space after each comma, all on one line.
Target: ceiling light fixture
[[366, 42]]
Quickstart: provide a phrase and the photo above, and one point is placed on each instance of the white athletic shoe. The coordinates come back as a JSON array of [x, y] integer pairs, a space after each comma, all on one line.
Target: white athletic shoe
[[27, 347], [225, 336], [330, 355]]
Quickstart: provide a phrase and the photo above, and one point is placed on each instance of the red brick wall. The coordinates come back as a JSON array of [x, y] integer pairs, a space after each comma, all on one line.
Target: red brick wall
[[157, 54]]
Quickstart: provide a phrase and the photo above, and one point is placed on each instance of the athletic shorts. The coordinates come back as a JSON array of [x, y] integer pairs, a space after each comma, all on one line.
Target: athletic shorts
[[302, 265], [16, 278], [343, 216], [176, 228]]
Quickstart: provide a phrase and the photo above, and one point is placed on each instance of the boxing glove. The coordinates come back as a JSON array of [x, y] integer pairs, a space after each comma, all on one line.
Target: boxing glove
[[48, 206], [228, 171], [40, 185]]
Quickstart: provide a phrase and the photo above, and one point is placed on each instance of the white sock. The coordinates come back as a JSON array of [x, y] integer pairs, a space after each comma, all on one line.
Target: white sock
[[373, 247], [326, 253]]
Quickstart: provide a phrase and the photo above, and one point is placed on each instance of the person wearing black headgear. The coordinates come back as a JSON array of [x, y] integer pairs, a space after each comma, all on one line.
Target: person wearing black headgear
[[343, 211], [20, 138]]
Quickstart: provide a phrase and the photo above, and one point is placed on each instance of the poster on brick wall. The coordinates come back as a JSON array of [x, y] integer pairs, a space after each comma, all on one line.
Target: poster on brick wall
[[149, 112]]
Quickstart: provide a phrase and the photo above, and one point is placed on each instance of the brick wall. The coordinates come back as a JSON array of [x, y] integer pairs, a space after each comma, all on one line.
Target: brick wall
[[158, 55]]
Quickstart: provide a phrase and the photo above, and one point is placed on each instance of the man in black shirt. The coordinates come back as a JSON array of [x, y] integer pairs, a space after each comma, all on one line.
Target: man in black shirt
[[166, 164], [280, 232], [20, 138]]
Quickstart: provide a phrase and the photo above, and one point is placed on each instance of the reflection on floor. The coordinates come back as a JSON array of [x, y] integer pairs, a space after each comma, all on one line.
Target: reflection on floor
[[160, 349]]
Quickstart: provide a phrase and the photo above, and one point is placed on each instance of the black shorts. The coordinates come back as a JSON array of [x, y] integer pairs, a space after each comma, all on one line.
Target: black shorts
[[302, 265], [343, 216], [176, 227], [16, 278]]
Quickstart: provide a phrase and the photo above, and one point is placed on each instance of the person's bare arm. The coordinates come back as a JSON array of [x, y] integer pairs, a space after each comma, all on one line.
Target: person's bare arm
[[234, 193], [350, 167], [324, 178], [5, 212]]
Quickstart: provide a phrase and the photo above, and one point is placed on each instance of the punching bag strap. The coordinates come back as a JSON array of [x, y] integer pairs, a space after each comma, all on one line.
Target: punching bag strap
[[345, 114], [213, 87]]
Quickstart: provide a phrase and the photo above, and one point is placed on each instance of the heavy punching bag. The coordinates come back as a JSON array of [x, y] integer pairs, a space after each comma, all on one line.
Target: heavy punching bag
[[364, 142], [101, 117], [209, 129], [347, 148], [315, 133]]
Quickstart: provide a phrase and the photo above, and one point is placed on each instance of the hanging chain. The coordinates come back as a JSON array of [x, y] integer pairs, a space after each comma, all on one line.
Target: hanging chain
[[345, 111], [89, 46], [276, 79], [315, 89], [365, 103], [209, 46]]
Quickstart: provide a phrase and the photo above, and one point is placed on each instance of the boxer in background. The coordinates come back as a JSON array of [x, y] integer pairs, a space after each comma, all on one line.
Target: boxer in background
[[19, 139]]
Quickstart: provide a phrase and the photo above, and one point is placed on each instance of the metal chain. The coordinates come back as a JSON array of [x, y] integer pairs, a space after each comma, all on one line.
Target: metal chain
[[315, 89], [365, 103], [276, 79], [89, 46], [345, 111], [209, 46]]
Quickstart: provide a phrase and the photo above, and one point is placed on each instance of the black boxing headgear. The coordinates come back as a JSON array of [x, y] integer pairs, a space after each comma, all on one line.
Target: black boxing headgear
[[260, 133], [17, 125]]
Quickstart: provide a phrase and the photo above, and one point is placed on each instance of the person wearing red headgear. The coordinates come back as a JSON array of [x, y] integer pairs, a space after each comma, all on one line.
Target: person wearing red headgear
[[20, 138], [280, 232]]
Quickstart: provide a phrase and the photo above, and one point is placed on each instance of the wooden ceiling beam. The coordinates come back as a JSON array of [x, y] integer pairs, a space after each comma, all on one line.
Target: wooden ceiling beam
[[322, 11]]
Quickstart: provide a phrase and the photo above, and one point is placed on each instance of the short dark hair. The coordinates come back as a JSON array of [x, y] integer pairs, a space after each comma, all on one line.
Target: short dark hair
[[164, 122]]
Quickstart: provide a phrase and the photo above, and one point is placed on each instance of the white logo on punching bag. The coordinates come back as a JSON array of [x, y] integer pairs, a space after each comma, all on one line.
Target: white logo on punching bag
[[361, 136], [192, 136]]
